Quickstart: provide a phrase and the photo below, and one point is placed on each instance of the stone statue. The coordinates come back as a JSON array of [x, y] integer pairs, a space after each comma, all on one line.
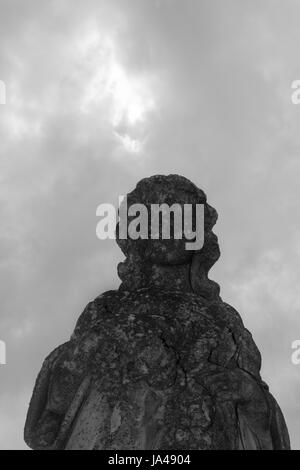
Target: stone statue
[[160, 363]]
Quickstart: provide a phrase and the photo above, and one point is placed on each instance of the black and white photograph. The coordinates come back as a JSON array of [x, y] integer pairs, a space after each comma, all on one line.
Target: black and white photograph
[[150, 228]]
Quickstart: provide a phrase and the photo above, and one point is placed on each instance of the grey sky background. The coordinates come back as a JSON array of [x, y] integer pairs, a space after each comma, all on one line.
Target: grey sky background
[[103, 93]]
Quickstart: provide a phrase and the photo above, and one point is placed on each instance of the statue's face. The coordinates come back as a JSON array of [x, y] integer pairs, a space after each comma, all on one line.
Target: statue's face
[[159, 249], [153, 245]]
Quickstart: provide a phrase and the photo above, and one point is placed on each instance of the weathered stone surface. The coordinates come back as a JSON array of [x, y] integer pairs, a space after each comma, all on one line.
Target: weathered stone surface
[[161, 363]]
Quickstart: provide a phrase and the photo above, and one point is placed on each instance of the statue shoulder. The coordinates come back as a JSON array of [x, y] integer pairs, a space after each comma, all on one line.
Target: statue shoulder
[[39, 397], [95, 311]]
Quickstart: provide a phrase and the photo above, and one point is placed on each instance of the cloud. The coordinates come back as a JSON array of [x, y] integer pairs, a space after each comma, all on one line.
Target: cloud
[[101, 94]]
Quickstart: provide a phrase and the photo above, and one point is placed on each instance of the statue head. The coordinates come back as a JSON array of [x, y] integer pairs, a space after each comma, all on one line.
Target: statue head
[[159, 254]]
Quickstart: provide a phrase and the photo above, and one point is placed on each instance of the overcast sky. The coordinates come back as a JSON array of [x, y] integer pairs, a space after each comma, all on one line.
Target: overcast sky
[[103, 93]]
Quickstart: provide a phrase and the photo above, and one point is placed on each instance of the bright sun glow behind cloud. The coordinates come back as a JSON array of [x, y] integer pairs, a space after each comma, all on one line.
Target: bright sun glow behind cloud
[[132, 99], [99, 85], [129, 96]]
